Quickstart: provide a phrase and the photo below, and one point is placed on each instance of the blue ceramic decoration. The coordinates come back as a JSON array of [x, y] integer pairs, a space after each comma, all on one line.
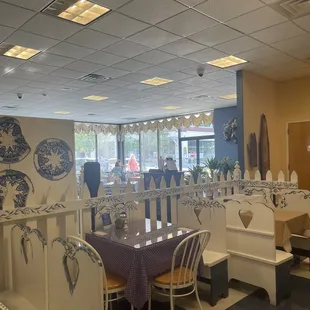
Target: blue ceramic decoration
[[19, 186], [13, 146], [53, 159]]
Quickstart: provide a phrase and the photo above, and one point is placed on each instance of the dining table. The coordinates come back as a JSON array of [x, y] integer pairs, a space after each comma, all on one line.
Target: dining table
[[139, 252]]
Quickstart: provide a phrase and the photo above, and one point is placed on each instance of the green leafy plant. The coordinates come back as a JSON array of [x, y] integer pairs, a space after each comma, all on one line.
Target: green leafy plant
[[227, 164], [195, 171], [213, 166]]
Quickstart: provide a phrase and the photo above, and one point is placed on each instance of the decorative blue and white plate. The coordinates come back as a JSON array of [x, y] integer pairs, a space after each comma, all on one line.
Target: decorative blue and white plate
[[13, 146], [53, 159]]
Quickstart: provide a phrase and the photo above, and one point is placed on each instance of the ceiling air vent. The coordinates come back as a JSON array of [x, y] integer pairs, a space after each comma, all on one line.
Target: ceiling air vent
[[94, 78], [292, 8]]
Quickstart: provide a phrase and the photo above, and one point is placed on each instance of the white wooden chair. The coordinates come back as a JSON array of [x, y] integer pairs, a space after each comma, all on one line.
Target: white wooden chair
[[183, 275], [112, 285]]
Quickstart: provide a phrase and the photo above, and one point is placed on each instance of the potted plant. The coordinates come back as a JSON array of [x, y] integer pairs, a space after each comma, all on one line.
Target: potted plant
[[213, 166], [195, 171], [227, 164]]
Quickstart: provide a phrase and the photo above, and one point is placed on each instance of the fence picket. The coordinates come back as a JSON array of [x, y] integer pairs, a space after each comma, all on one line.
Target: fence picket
[[258, 176], [163, 203], [268, 176], [281, 177], [229, 188], [173, 201], [294, 177], [153, 202]]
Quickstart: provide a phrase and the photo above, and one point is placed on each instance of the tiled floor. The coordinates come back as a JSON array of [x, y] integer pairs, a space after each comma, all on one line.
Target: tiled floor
[[247, 297]]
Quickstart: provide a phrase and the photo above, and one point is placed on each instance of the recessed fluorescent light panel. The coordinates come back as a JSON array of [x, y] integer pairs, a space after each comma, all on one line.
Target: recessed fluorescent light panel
[[19, 52], [156, 81], [95, 98], [171, 107], [227, 62], [229, 97], [81, 12], [62, 112]]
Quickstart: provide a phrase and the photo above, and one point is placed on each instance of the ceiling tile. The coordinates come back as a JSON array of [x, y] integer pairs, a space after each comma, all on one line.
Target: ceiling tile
[[179, 64], [303, 22], [112, 4], [83, 66], [154, 37], [118, 25], [224, 10], [10, 62], [131, 65], [260, 19], [51, 27], [278, 33], [127, 49], [52, 79], [187, 23], [13, 16], [298, 47], [215, 35], [78, 84], [191, 3], [176, 76], [52, 60], [26, 89], [155, 71], [104, 58], [70, 50], [5, 32], [21, 74], [182, 47], [238, 45], [40, 85], [134, 77], [12, 81], [66, 73], [219, 75], [35, 67], [35, 5], [193, 71], [151, 11], [112, 72], [258, 53], [154, 57], [117, 83], [206, 55], [23, 38], [92, 39]]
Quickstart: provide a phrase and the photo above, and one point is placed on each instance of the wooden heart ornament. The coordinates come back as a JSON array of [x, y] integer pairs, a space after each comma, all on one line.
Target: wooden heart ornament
[[246, 217], [72, 271]]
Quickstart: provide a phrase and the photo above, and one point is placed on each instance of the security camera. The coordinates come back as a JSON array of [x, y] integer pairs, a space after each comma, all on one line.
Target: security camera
[[19, 96], [200, 71]]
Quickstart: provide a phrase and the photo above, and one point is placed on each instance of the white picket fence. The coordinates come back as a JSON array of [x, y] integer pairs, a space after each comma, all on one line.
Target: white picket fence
[[62, 219]]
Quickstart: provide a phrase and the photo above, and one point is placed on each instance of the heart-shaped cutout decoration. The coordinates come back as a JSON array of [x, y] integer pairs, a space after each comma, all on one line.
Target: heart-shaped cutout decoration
[[72, 271], [246, 217], [197, 212]]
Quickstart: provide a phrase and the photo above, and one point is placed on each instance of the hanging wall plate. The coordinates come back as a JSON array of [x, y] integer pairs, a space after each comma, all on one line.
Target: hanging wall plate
[[16, 186], [13, 146], [53, 159]]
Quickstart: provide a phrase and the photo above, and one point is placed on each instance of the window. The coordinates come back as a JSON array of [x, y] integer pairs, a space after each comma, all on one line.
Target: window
[[107, 152], [169, 144], [149, 155], [132, 152], [192, 131], [85, 150]]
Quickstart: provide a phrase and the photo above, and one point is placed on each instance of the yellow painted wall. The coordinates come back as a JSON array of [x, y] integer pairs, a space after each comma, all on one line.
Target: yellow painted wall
[[259, 96], [281, 102]]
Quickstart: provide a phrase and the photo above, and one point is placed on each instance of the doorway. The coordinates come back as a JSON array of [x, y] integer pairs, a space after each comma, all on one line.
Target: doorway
[[299, 152], [195, 151]]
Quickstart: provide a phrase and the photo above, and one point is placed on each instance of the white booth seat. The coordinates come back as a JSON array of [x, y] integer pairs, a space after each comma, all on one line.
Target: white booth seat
[[253, 255]]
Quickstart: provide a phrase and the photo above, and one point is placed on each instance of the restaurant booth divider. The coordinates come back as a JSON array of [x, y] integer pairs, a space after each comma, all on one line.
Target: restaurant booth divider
[[36, 244]]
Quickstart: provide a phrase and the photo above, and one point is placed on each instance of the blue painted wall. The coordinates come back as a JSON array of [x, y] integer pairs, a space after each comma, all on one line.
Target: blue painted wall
[[224, 148]]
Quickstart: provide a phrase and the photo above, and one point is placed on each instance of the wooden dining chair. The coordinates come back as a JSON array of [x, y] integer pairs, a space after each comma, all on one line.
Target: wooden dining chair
[[184, 268], [112, 284]]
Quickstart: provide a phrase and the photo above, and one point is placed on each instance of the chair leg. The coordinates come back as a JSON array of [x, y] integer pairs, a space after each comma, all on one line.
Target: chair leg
[[197, 297], [171, 300], [150, 298]]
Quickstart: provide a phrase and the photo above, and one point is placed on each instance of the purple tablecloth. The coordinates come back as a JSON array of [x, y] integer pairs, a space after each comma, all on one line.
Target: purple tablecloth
[[138, 256]]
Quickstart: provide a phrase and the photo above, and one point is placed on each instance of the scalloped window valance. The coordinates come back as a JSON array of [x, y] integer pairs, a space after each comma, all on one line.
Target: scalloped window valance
[[167, 123]]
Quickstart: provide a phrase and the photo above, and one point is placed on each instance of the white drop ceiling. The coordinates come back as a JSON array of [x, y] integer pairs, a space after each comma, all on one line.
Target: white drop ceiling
[[139, 40]]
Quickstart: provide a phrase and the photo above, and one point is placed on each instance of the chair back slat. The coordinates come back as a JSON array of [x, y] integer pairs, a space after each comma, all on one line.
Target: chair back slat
[[192, 248]]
